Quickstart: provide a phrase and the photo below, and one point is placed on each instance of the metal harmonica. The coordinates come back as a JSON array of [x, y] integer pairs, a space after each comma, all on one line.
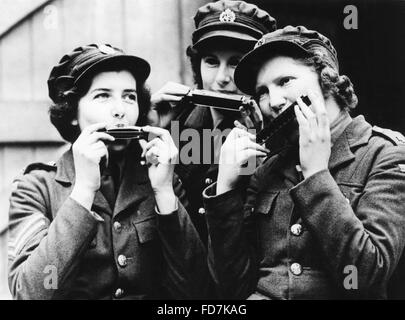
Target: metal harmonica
[[218, 100], [126, 132], [283, 124]]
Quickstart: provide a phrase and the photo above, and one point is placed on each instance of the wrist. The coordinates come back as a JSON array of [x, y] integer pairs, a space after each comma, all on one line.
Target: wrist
[[166, 202], [83, 195], [311, 172]]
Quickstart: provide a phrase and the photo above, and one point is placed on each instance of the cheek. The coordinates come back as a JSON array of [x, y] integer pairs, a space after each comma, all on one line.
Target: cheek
[[207, 76], [133, 114]]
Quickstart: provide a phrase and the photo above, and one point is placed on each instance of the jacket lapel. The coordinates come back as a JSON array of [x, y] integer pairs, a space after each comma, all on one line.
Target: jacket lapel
[[65, 175], [357, 133]]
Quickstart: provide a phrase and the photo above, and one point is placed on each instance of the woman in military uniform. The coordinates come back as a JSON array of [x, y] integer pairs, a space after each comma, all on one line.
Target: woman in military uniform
[[101, 224], [324, 216], [225, 31]]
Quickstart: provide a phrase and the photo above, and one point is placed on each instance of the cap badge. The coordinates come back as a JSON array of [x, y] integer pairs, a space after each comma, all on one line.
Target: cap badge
[[106, 49], [227, 16], [260, 42]]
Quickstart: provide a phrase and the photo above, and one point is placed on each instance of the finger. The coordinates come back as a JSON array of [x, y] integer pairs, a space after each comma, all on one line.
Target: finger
[[238, 125], [246, 155], [166, 98], [318, 104], [245, 143], [237, 133], [99, 136], [94, 127], [302, 121], [175, 88], [255, 113], [308, 114], [160, 133]]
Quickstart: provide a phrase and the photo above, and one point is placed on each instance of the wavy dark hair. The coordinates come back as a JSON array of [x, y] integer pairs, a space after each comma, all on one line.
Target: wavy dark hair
[[332, 83], [63, 113]]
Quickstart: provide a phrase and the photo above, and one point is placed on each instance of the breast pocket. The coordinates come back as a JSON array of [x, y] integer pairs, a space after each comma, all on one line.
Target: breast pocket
[[146, 229], [266, 202]]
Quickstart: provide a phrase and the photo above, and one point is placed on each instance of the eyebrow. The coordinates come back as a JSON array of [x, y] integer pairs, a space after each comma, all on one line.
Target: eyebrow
[[109, 90]]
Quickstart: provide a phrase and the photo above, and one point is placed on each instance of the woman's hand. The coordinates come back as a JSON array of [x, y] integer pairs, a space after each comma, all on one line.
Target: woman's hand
[[88, 150], [239, 148], [161, 156], [164, 104], [314, 131], [251, 117]]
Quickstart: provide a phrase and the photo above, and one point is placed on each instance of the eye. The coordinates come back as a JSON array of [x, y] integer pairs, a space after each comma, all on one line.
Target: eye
[[210, 61], [101, 96], [285, 80], [233, 62], [130, 97]]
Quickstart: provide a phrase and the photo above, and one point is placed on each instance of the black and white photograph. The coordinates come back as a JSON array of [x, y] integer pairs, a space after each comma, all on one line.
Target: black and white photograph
[[205, 151]]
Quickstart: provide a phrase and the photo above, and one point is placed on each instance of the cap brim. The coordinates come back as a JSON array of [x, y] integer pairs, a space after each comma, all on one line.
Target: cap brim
[[207, 38], [139, 67], [248, 68]]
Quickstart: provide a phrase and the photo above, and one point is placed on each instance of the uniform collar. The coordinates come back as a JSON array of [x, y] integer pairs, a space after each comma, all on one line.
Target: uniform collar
[[356, 134]]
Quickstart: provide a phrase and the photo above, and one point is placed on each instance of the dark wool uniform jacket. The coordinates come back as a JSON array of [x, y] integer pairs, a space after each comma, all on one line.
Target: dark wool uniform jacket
[[338, 234], [60, 250]]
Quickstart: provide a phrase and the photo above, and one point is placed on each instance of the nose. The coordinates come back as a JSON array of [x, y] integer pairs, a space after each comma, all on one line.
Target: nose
[[224, 75], [118, 110], [277, 101]]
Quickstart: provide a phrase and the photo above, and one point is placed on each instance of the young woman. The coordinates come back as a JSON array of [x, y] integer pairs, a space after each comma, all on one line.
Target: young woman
[[323, 217], [225, 31], [100, 224]]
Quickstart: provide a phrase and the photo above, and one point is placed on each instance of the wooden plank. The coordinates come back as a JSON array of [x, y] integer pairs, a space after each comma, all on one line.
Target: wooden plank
[[16, 65], [78, 16], [13, 11], [188, 10], [153, 33], [108, 22], [47, 49], [26, 122]]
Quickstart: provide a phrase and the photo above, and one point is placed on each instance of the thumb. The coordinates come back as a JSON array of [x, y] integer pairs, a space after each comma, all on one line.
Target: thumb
[[143, 143]]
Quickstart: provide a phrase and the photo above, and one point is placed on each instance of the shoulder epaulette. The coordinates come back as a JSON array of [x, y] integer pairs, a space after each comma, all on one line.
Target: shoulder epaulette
[[394, 136], [50, 166]]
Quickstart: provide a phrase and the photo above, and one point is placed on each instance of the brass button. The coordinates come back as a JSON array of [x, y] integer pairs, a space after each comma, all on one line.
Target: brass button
[[296, 229], [201, 211], [296, 268], [122, 260], [117, 226], [208, 181], [119, 293]]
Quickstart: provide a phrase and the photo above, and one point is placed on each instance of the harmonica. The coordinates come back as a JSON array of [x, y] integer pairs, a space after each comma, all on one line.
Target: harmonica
[[282, 125], [218, 100], [126, 132]]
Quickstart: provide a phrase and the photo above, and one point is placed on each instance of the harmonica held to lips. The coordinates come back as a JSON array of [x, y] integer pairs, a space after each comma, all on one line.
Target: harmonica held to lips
[[218, 100], [126, 132], [283, 124]]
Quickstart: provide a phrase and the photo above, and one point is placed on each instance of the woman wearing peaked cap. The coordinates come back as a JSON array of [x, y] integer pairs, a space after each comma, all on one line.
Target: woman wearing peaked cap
[[324, 216], [225, 31], [100, 224]]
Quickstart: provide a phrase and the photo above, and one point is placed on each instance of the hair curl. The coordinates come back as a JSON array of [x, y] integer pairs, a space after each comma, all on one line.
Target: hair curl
[[332, 84], [63, 113]]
